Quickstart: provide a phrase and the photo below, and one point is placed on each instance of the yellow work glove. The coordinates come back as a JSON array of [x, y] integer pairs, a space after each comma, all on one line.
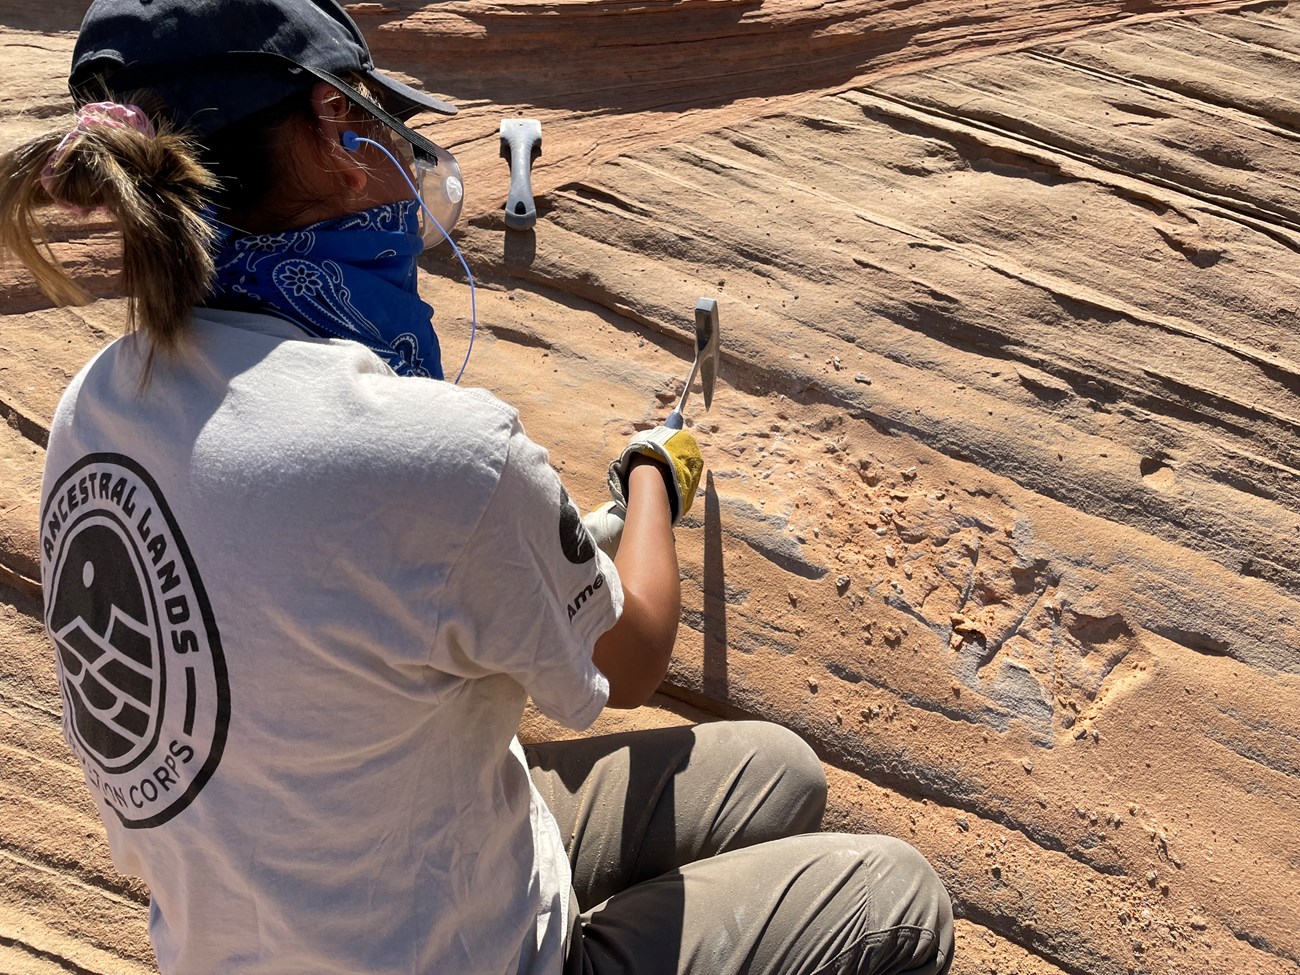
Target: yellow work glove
[[677, 450]]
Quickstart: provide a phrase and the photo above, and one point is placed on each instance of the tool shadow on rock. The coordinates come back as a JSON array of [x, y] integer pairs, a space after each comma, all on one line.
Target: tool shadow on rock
[[715, 598]]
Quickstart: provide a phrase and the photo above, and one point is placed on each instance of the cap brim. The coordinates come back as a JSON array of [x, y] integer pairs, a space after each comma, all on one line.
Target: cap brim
[[384, 115], [408, 100]]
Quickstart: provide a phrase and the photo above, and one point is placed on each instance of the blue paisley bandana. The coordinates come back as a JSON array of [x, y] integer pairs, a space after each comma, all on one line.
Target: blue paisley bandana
[[350, 278]]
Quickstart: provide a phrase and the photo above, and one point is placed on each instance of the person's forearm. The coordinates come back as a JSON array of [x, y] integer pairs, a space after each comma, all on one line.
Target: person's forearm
[[634, 654]]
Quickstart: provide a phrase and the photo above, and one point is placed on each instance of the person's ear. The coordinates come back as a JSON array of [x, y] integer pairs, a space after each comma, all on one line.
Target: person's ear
[[333, 111]]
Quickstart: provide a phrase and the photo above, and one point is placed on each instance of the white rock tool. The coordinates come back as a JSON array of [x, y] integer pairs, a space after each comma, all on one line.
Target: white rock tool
[[521, 143]]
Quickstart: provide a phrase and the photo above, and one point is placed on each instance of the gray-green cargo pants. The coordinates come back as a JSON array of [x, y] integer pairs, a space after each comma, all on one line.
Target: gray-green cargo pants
[[687, 858]]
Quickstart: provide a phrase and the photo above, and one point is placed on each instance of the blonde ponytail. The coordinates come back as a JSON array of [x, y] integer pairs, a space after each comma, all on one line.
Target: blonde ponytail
[[157, 190]]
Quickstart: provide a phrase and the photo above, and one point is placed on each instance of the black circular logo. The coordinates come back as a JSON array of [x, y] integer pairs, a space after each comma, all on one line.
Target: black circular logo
[[575, 540], [145, 694]]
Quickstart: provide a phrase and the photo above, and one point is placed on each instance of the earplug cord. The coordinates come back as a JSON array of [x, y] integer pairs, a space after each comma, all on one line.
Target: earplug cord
[[351, 141]]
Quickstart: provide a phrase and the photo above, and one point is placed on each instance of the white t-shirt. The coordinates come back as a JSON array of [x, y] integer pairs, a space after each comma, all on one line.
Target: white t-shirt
[[297, 604]]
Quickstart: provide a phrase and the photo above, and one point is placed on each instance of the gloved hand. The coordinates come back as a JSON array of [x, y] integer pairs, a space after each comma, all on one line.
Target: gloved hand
[[605, 525], [677, 450]]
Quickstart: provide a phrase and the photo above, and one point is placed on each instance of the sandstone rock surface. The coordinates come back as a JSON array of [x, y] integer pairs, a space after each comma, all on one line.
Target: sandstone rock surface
[[1003, 494]]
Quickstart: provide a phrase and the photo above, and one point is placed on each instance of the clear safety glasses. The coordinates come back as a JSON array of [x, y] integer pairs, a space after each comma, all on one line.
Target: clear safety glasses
[[438, 181], [436, 184]]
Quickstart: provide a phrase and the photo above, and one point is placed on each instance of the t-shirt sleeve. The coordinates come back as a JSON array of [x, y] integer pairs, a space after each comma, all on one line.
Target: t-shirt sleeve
[[531, 592]]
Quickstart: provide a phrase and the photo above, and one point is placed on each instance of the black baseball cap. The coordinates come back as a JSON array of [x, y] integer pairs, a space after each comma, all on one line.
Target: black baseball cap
[[215, 62]]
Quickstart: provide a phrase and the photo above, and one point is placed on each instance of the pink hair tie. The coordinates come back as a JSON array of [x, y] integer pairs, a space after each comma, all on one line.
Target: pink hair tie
[[109, 114]]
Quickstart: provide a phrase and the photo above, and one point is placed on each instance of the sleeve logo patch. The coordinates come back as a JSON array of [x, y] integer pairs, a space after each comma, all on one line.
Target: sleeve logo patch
[[146, 700], [575, 540]]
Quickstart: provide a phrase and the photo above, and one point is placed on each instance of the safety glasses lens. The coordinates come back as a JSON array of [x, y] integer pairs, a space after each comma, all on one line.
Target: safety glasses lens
[[438, 181]]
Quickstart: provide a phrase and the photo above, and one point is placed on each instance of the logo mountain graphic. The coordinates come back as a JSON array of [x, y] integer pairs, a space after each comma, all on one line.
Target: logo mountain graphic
[[102, 626]]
